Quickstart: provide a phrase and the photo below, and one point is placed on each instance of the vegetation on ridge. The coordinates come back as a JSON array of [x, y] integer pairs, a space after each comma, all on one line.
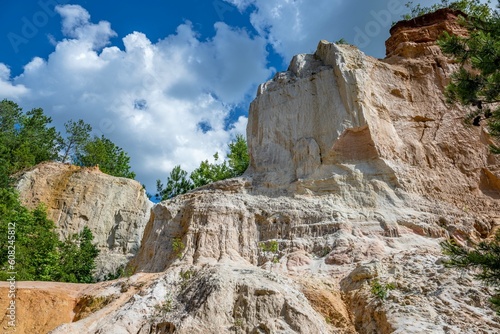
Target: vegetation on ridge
[[30, 248], [473, 8], [27, 139], [178, 182]]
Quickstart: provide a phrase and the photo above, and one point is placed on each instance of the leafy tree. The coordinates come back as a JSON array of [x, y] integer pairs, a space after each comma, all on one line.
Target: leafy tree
[[484, 256], [10, 115], [110, 158], [238, 156], [177, 184], [77, 258], [477, 82], [25, 139], [39, 255], [78, 135], [40, 140], [35, 239], [4, 174], [208, 173]]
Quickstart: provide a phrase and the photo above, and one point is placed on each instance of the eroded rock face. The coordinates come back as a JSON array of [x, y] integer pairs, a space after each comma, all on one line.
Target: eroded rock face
[[115, 209], [224, 298], [358, 170], [411, 38], [343, 120]]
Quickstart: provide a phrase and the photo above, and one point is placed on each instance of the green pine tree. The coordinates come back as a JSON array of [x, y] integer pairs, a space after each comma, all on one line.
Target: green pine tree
[[77, 136], [238, 156], [484, 256], [78, 255], [111, 159], [477, 82], [179, 183], [25, 139]]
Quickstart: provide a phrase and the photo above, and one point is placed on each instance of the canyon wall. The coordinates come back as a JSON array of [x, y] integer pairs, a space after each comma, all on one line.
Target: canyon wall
[[359, 169], [116, 210]]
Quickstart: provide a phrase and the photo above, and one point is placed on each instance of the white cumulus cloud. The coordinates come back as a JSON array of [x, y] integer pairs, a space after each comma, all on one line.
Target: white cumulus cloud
[[296, 26], [165, 103], [7, 88]]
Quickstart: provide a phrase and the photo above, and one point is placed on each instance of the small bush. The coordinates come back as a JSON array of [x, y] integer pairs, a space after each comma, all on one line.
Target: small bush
[[381, 291], [165, 307], [238, 322], [178, 246], [342, 41], [185, 277], [271, 246]]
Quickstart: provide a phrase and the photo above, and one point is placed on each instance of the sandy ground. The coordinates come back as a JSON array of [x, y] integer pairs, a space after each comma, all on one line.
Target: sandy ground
[[40, 306]]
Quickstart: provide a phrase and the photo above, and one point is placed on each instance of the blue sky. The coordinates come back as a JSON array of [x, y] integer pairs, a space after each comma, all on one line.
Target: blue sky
[[168, 81]]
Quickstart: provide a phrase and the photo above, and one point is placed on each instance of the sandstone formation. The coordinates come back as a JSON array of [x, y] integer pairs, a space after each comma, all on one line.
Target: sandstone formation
[[411, 38], [358, 170], [115, 209], [41, 305]]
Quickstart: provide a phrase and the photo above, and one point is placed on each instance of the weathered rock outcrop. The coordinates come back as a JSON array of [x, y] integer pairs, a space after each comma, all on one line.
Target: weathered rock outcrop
[[410, 38], [115, 209], [358, 170], [41, 306], [341, 123]]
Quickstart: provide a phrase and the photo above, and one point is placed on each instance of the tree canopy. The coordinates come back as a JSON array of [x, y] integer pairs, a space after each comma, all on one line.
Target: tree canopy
[[110, 158], [238, 156], [77, 258], [26, 139], [77, 136], [178, 182]]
